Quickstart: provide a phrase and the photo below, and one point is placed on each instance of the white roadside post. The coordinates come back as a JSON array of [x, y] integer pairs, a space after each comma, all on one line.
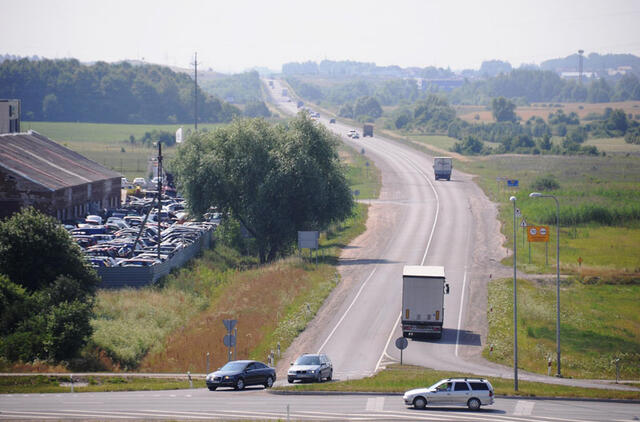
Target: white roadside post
[[539, 195]]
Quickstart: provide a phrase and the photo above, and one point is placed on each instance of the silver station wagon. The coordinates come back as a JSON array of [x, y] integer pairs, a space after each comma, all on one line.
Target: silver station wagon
[[470, 392]]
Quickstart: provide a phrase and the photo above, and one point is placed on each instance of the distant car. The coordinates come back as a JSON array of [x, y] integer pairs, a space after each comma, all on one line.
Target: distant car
[[332, 121], [351, 133], [139, 181], [470, 392], [93, 219], [355, 135], [310, 367], [241, 373]]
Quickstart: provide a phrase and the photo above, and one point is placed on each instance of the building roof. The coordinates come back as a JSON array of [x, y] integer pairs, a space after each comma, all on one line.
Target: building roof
[[47, 163]]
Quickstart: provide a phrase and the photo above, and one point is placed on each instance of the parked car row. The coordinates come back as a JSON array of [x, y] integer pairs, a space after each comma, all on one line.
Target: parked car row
[[112, 242]]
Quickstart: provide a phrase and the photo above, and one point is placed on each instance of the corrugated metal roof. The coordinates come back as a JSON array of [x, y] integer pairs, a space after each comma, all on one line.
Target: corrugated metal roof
[[47, 163]]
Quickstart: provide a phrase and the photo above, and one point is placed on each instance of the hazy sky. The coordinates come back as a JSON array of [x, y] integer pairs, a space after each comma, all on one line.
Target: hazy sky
[[233, 35]]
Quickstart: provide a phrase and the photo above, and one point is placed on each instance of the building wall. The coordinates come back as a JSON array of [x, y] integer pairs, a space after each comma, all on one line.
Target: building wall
[[9, 116], [69, 203]]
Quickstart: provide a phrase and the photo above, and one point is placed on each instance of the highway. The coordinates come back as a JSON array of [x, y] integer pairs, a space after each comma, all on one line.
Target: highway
[[415, 221]]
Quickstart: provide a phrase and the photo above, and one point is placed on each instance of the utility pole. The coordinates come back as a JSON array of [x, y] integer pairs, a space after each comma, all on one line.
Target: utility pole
[[159, 195], [580, 66], [195, 90]]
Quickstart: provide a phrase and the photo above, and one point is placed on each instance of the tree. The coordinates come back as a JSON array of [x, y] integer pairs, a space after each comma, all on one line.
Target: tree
[[275, 180], [503, 110], [46, 290], [367, 106], [257, 109], [346, 110]]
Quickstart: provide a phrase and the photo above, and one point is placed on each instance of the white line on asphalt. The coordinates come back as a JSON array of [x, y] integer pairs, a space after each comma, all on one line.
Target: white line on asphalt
[[523, 408], [464, 283], [386, 346], [347, 311]]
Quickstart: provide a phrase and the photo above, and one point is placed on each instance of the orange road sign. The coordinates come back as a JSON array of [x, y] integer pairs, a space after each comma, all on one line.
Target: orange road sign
[[538, 233]]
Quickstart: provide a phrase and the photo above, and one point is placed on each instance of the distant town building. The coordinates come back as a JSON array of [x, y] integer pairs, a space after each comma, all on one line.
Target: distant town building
[[620, 70], [9, 116], [36, 171], [576, 75]]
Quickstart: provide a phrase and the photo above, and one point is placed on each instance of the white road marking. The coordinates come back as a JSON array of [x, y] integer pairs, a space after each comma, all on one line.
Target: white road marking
[[375, 404], [464, 283], [524, 408], [347, 311], [386, 346]]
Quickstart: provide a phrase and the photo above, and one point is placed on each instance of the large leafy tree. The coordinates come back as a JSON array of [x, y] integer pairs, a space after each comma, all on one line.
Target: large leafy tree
[[46, 290], [503, 110], [275, 180]]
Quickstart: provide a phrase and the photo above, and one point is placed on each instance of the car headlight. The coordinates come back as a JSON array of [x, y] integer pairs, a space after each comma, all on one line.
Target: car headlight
[[226, 377], [312, 371], [291, 373]]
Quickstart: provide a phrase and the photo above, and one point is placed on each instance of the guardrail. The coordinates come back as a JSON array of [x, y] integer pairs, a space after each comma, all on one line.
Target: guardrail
[[115, 277]]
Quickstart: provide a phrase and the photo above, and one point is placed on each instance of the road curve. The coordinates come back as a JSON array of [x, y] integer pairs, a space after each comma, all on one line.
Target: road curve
[[415, 221]]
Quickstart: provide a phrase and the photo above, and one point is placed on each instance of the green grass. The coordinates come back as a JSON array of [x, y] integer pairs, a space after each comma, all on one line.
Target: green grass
[[398, 379], [51, 384], [613, 145], [362, 174], [599, 201], [599, 323], [108, 144]]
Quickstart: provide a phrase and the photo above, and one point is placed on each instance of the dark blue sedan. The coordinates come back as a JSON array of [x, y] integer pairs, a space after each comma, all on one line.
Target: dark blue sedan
[[240, 373]]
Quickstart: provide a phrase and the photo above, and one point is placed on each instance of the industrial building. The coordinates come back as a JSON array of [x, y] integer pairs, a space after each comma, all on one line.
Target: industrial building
[[36, 171], [9, 116]]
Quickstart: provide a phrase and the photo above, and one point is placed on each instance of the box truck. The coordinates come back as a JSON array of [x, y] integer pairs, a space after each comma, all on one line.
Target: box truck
[[367, 130], [423, 290], [442, 167]]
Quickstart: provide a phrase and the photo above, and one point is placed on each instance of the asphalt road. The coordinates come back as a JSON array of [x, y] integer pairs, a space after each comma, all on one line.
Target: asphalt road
[[415, 221], [201, 404]]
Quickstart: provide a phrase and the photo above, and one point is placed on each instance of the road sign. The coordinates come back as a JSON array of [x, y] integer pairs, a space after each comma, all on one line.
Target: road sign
[[513, 183], [356, 192], [538, 233], [401, 343], [308, 239], [518, 213], [523, 223], [229, 323], [229, 340]]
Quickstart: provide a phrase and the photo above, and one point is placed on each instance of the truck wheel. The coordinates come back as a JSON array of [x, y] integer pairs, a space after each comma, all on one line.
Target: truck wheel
[[419, 403], [448, 178]]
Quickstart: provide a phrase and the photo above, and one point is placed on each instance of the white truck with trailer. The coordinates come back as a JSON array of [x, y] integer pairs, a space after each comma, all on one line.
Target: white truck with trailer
[[442, 167], [423, 290]]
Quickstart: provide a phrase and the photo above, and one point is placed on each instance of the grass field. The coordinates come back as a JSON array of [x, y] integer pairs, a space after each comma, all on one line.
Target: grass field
[[469, 113], [599, 323], [398, 379], [592, 190], [52, 384]]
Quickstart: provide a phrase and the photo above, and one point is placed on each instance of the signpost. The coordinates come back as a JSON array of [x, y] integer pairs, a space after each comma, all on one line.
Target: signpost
[[401, 343], [229, 339], [513, 183], [309, 239], [539, 234]]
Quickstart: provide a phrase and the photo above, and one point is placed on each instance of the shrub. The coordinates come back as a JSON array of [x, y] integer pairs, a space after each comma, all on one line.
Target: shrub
[[546, 183]]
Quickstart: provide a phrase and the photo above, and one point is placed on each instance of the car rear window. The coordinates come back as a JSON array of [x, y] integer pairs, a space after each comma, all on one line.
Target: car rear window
[[479, 386]]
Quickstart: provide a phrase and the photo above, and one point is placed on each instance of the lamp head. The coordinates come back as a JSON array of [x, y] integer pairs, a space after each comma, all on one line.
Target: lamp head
[[512, 199], [535, 195]]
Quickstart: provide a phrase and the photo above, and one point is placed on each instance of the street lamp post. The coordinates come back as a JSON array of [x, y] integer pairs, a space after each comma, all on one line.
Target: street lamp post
[[515, 301], [539, 195]]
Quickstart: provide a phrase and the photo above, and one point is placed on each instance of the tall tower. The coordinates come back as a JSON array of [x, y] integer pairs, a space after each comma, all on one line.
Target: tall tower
[[580, 52]]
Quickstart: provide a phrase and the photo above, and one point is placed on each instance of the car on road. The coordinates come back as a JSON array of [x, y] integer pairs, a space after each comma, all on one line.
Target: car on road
[[311, 367], [241, 373], [332, 121], [470, 392], [355, 135], [351, 133]]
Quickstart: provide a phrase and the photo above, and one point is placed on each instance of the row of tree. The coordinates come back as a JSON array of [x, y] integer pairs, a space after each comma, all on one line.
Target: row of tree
[[66, 90]]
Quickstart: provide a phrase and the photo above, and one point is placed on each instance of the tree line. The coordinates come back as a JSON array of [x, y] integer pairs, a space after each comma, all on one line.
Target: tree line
[[66, 90]]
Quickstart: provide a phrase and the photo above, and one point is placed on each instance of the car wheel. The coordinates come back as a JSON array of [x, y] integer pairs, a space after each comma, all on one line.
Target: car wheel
[[419, 403], [212, 388], [240, 384], [269, 383], [290, 380], [330, 375], [474, 404]]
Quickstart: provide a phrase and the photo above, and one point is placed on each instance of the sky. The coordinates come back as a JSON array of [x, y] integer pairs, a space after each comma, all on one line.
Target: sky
[[235, 35]]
